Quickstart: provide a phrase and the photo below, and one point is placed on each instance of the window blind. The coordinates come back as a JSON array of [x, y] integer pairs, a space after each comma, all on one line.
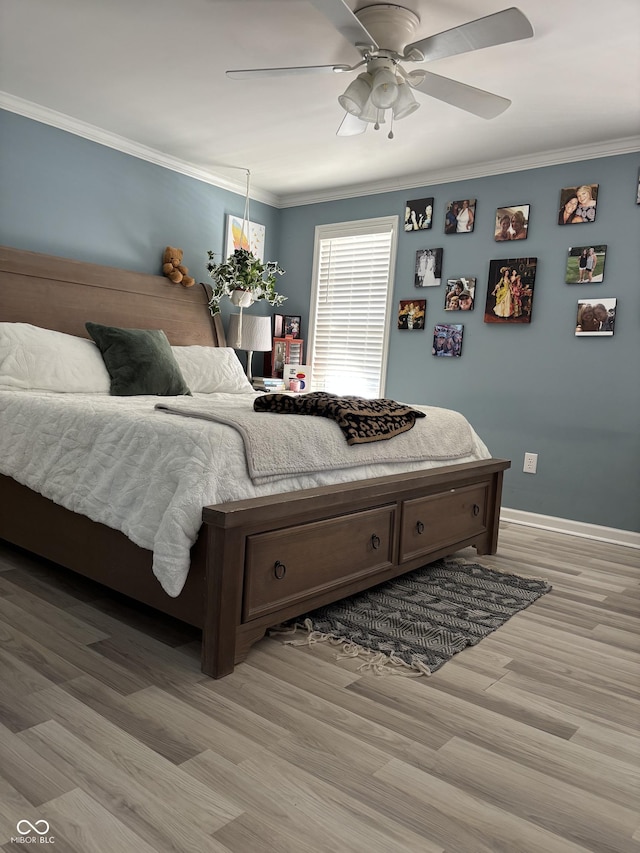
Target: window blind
[[349, 317]]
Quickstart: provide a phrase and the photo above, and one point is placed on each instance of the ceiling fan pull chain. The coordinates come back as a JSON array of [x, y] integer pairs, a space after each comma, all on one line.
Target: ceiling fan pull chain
[[245, 217], [390, 134]]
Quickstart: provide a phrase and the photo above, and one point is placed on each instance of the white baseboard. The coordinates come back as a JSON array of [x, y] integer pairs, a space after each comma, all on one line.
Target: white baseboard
[[574, 528]]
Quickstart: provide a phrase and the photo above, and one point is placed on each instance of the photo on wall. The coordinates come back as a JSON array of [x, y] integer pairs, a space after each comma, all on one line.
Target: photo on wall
[[460, 216], [460, 294], [428, 268], [578, 204], [596, 318], [418, 214], [411, 314], [447, 340], [585, 264], [512, 223], [510, 290]]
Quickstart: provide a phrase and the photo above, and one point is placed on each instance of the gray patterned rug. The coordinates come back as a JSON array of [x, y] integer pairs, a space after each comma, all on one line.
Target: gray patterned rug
[[416, 623]]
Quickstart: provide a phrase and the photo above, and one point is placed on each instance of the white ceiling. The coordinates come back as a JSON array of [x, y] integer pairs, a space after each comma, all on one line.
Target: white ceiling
[[147, 76]]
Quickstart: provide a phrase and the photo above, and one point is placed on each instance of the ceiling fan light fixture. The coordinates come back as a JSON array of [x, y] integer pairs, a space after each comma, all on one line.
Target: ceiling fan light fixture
[[405, 103], [384, 90], [355, 96], [372, 114]]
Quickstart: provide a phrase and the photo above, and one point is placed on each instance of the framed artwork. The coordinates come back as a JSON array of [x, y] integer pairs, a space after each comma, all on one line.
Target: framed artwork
[[428, 267], [596, 318], [251, 237], [460, 216], [578, 204], [418, 214], [585, 264], [447, 340], [411, 313], [510, 290], [512, 223], [460, 294]]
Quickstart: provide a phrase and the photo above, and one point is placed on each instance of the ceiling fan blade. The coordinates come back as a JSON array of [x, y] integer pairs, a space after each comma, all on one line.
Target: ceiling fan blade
[[243, 73], [351, 126], [343, 19], [468, 98], [499, 28]]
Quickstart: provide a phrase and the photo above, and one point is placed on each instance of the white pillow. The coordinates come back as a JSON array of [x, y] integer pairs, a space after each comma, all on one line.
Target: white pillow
[[211, 370], [32, 358]]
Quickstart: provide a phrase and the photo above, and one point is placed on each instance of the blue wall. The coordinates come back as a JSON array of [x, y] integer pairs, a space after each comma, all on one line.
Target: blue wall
[[64, 195], [536, 387]]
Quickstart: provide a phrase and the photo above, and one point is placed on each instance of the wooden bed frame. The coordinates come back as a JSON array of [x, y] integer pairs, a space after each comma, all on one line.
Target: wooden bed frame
[[256, 562]]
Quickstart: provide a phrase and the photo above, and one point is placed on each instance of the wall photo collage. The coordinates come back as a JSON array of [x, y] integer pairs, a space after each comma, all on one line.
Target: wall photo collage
[[508, 299]]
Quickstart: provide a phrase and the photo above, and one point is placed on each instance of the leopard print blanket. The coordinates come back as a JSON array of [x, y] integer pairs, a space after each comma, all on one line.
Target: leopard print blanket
[[360, 420]]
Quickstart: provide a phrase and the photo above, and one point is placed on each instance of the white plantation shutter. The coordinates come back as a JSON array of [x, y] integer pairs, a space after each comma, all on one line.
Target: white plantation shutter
[[350, 305]]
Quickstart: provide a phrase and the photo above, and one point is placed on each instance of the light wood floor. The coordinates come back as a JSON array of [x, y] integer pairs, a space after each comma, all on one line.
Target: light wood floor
[[526, 743]]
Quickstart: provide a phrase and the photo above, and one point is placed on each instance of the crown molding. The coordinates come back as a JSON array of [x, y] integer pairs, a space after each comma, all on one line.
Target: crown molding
[[538, 160], [467, 172], [128, 146]]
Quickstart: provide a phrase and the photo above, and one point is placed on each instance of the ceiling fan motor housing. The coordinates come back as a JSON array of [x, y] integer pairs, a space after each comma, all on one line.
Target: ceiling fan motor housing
[[391, 26]]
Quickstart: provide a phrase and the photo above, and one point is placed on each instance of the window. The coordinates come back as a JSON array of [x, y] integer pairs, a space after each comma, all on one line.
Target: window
[[351, 293]]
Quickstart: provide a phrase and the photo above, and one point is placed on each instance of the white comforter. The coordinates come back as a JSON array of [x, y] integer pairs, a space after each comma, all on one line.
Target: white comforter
[[121, 462]]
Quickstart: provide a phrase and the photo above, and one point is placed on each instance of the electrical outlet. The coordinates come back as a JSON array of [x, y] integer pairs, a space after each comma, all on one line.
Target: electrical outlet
[[530, 463]]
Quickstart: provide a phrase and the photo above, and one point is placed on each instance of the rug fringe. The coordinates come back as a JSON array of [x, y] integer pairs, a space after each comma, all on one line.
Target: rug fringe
[[468, 562], [378, 663]]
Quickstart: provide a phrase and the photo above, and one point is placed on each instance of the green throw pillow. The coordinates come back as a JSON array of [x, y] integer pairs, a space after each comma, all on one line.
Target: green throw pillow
[[139, 361]]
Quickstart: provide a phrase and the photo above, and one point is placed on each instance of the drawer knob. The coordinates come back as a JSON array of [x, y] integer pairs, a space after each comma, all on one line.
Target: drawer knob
[[375, 541], [476, 509], [420, 527], [279, 570]]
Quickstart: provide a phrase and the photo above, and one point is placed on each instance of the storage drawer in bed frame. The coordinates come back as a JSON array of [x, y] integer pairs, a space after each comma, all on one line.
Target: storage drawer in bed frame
[[270, 560]]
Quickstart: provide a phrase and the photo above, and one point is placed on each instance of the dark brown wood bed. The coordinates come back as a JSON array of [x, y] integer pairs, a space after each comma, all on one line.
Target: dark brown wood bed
[[248, 570]]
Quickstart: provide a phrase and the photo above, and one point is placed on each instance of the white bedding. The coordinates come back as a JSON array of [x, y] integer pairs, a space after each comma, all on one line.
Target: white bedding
[[119, 461]]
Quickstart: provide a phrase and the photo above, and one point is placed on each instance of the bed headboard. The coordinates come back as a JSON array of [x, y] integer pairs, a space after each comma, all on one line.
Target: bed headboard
[[62, 294]]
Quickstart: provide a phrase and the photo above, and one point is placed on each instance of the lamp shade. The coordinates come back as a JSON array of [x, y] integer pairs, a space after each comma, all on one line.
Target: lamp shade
[[384, 90], [372, 114], [405, 103], [356, 94], [249, 332]]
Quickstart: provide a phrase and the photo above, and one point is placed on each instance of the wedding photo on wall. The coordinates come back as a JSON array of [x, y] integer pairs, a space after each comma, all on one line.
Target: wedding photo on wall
[[428, 268]]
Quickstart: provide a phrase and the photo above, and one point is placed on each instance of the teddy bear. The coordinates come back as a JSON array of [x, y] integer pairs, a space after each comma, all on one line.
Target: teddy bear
[[173, 269]]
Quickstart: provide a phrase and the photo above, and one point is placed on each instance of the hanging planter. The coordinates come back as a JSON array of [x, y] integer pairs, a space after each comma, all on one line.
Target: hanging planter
[[241, 298], [244, 279]]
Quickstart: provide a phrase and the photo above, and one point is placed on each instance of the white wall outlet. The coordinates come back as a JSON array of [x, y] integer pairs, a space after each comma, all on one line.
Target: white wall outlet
[[530, 463]]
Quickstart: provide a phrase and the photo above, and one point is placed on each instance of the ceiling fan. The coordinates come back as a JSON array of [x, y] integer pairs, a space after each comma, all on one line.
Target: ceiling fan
[[381, 33]]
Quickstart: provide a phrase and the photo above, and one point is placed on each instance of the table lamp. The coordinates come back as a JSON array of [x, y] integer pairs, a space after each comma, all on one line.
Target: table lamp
[[250, 333]]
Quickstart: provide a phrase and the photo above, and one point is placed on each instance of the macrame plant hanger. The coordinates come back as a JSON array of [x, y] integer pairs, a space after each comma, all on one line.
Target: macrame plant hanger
[[243, 232]]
